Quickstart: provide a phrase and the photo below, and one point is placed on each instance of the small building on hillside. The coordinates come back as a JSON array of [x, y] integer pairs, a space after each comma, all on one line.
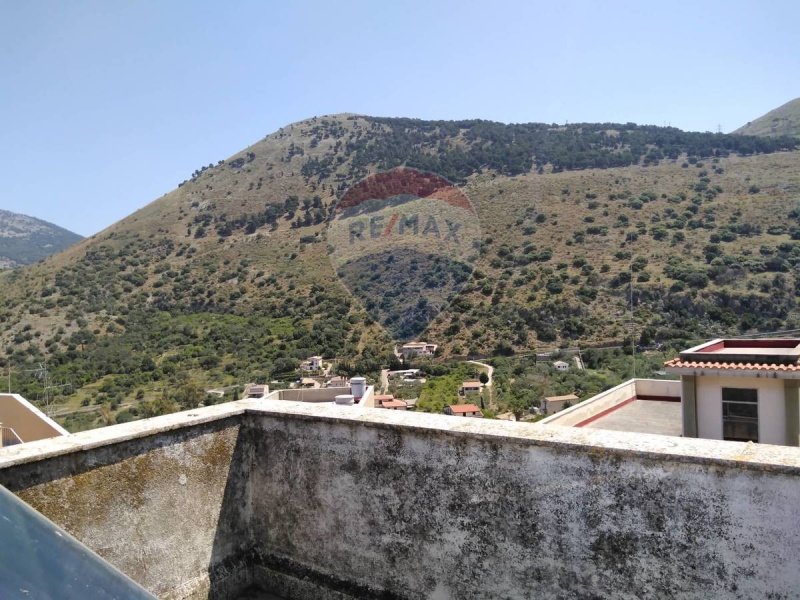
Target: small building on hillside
[[255, 391], [337, 382], [390, 402], [469, 388], [308, 383], [553, 404], [312, 363], [412, 349], [560, 365], [405, 374], [463, 410]]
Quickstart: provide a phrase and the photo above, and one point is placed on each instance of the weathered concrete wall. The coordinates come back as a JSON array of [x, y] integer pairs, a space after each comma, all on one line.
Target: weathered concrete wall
[[473, 513], [322, 501], [163, 508]]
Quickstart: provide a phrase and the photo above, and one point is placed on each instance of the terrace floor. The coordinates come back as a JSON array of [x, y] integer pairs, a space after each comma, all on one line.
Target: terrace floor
[[643, 416]]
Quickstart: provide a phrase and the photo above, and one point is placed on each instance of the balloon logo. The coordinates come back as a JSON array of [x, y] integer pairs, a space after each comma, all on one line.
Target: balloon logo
[[404, 242]]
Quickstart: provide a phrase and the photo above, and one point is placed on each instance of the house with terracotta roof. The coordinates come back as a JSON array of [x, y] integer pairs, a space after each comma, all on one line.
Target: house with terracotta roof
[[742, 390], [389, 401], [729, 389], [463, 410], [469, 388]]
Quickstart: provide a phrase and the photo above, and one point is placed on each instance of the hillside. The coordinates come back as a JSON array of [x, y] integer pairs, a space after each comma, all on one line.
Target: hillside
[[24, 240], [784, 120], [227, 278]]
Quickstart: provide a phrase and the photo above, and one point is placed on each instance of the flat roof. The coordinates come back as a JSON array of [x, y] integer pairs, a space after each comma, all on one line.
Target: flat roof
[[642, 416]]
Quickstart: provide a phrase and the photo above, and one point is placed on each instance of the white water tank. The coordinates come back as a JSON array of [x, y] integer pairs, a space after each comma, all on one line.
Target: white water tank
[[358, 387], [344, 399]]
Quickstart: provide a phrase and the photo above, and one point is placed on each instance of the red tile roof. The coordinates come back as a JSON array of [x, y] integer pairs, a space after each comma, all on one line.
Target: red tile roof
[[464, 408], [678, 363], [383, 397], [393, 404]]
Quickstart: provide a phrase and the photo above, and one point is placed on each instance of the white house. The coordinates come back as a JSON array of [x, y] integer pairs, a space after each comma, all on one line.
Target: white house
[[469, 388], [743, 390], [412, 349], [312, 363], [553, 404], [560, 365], [737, 390]]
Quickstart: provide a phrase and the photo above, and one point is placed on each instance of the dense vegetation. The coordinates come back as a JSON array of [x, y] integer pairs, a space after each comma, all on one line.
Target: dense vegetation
[[515, 149], [226, 279]]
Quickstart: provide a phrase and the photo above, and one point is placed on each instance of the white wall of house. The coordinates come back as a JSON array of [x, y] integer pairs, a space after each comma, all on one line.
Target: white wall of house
[[771, 406]]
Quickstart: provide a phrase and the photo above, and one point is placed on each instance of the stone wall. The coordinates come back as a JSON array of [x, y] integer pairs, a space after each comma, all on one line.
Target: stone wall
[[320, 501]]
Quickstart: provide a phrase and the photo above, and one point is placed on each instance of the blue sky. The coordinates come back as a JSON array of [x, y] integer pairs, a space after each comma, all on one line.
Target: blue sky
[[105, 106]]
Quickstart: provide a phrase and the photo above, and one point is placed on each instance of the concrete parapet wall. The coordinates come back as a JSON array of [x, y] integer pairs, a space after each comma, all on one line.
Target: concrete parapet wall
[[377, 503], [628, 390], [420, 508], [151, 497]]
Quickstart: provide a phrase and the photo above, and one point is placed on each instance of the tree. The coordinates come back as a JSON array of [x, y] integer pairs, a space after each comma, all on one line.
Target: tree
[[160, 406], [519, 405], [190, 396], [483, 378]]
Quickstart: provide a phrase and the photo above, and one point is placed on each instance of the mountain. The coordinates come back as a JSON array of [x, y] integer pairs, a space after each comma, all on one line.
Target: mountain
[[24, 240], [230, 278], [784, 120]]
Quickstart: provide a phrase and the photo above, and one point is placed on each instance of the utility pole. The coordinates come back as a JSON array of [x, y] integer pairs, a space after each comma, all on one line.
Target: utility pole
[[633, 326]]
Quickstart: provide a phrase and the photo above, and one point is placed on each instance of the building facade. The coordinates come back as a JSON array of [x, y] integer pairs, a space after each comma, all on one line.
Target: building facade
[[741, 390]]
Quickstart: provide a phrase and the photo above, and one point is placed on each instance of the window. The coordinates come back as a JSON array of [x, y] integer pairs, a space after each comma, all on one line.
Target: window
[[740, 415]]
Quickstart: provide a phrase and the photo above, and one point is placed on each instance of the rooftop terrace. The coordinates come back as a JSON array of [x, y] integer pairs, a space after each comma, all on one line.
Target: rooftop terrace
[[315, 500], [638, 406]]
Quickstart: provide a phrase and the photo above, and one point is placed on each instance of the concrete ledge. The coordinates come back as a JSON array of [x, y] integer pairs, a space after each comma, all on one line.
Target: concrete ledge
[[783, 459], [324, 501], [115, 434]]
